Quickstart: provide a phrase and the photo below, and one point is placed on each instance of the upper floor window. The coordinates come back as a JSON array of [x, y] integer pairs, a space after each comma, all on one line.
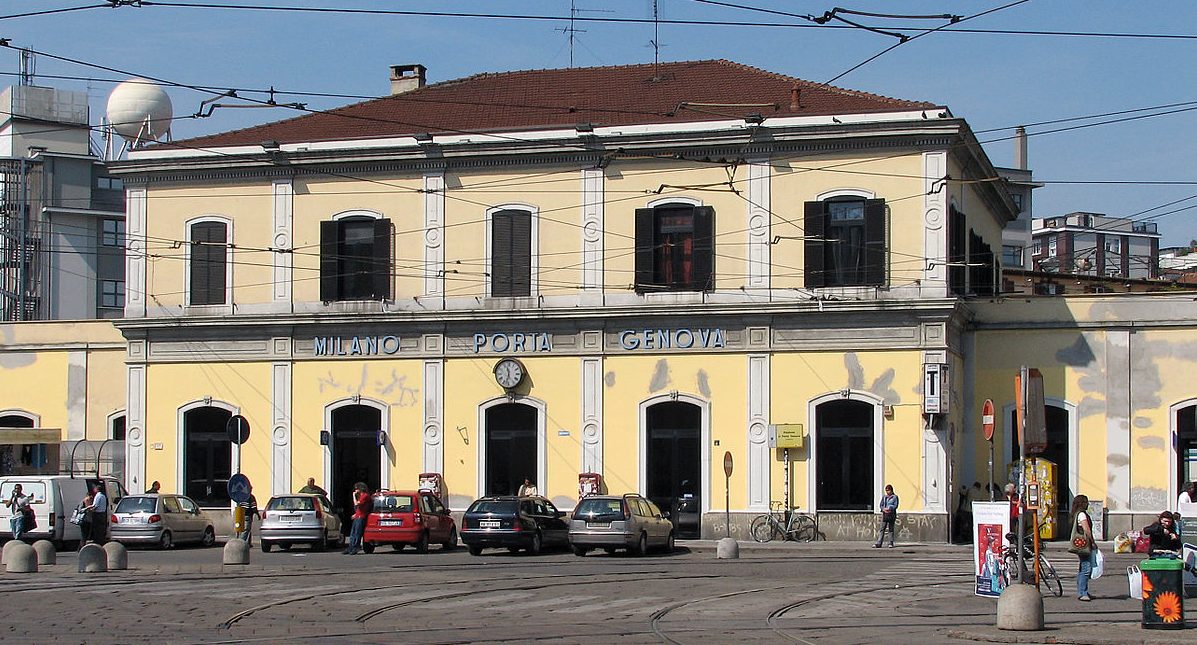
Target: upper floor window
[[511, 253], [675, 248], [845, 242], [1114, 244], [208, 263], [110, 183], [112, 232], [112, 294], [1051, 246], [355, 259]]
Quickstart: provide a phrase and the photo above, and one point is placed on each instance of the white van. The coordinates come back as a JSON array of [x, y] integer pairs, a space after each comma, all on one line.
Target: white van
[[55, 497]]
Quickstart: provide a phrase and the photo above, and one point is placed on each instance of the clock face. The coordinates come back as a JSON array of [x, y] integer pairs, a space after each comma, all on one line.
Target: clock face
[[509, 372]]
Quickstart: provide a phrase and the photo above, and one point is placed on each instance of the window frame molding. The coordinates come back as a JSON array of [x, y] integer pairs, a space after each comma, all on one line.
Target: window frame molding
[[1074, 437], [113, 417], [1173, 454], [384, 425], [674, 199], [704, 438], [534, 250], [695, 204], [542, 420], [812, 471], [181, 439], [227, 307], [357, 213], [839, 193], [19, 412]]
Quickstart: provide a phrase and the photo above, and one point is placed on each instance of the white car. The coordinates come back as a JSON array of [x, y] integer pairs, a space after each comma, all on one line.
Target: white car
[[292, 519]]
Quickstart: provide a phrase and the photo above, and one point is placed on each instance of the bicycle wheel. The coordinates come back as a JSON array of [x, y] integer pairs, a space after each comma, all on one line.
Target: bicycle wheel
[[764, 528], [1009, 569], [1049, 578], [802, 529]]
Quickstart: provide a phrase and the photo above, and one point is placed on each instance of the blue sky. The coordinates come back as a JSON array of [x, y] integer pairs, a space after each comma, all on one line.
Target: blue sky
[[992, 80]]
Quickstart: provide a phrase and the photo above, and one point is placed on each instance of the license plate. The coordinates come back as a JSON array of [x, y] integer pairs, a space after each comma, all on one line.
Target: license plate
[[489, 524], [598, 525], [289, 518], [136, 520], [390, 522]]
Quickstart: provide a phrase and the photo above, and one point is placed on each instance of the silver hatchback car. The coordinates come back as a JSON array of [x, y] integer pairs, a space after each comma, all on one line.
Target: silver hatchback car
[[290, 519], [162, 520], [610, 522]]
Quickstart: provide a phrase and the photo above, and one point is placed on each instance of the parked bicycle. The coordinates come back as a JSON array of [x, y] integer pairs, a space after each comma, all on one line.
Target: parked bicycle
[[784, 525], [1047, 572]]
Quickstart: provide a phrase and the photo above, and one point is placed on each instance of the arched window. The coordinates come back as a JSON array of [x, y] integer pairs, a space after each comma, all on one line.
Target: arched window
[[844, 242], [208, 262], [207, 455], [511, 237], [845, 466], [675, 248]]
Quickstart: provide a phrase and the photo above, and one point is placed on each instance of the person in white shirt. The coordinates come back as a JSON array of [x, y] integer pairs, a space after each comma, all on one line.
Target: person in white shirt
[[99, 515], [528, 489], [1188, 495], [19, 503]]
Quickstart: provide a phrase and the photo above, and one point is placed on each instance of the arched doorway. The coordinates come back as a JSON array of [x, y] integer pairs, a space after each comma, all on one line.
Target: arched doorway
[[356, 453], [28, 458], [845, 459], [1185, 456], [207, 455], [1058, 451], [673, 476], [511, 451]]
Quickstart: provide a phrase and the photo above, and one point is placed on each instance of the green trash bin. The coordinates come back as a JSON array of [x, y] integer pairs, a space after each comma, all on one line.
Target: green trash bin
[[1163, 593]]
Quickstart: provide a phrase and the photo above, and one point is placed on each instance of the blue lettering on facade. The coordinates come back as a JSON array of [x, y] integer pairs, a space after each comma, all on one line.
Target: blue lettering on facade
[[637, 339], [355, 346]]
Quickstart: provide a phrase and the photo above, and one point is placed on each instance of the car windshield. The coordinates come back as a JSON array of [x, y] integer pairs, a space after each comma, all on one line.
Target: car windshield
[[599, 510], [290, 504], [499, 506], [394, 503], [137, 505]]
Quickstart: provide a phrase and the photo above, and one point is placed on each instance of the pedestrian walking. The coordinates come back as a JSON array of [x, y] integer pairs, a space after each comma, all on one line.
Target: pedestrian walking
[[1081, 543], [312, 489], [84, 513], [528, 489], [363, 503], [889, 515], [249, 509], [99, 515], [19, 502]]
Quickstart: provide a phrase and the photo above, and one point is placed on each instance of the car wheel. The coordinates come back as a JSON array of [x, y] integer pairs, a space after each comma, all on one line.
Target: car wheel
[[166, 541], [266, 546], [368, 547], [451, 543], [422, 545], [642, 545], [474, 550], [286, 546], [669, 543], [580, 550], [534, 548], [209, 537]]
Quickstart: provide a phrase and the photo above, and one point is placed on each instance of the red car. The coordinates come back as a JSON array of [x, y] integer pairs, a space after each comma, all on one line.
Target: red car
[[403, 517]]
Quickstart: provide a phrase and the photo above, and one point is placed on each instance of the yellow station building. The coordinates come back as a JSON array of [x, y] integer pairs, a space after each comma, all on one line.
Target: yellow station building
[[626, 271]]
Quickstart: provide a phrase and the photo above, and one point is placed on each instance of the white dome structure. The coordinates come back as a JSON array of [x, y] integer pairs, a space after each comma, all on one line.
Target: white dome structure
[[140, 111]]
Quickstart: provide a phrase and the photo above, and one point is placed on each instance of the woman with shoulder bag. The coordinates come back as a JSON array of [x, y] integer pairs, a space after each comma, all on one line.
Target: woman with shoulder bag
[[1081, 543], [83, 513]]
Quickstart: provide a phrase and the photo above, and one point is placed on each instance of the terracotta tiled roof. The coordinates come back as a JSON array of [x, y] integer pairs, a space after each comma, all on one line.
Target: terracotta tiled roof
[[602, 96]]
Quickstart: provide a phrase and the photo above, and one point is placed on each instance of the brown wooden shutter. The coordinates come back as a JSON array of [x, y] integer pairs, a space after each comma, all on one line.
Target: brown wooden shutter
[[645, 249], [874, 242], [500, 254], [329, 264], [704, 248], [208, 263], [814, 229], [521, 253], [381, 271]]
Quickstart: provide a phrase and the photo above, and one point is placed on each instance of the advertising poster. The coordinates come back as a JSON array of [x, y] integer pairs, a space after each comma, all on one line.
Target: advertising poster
[[991, 523], [1188, 535]]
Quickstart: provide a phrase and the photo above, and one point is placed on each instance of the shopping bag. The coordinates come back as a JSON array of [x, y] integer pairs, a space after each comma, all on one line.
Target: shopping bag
[[1123, 543], [1135, 577], [78, 515], [1098, 562]]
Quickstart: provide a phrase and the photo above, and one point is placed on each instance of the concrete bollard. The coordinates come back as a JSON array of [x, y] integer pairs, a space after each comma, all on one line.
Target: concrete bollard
[[8, 546], [1020, 609], [236, 552], [118, 556], [727, 549], [46, 553], [21, 559], [93, 559]]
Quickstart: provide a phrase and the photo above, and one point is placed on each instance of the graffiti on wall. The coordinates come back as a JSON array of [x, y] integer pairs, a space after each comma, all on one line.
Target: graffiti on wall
[[390, 388]]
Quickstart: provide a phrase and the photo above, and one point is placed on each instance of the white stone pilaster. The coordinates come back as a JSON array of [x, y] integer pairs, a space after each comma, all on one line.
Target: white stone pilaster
[[759, 224], [434, 234], [935, 211], [135, 252], [592, 415], [283, 241], [280, 429], [434, 415], [759, 461], [592, 228], [135, 426]]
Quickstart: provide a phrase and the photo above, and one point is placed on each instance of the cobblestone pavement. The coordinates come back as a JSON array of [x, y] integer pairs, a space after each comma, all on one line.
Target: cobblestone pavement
[[822, 593]]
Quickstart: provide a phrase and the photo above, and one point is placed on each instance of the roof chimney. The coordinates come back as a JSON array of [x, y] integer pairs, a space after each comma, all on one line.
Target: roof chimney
[[1020, 148], [405, 78]]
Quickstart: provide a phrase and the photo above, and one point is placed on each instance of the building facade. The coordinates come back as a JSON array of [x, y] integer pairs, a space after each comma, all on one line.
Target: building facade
[[1094, 244]]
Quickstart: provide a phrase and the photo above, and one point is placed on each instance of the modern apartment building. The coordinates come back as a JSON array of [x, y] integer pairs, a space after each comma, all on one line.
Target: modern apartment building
[[1096, 244]]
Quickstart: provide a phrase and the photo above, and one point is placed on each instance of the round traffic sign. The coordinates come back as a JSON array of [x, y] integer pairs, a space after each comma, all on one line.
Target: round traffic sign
[[987, 419], [237, 429], [727, 464], [239, 488]]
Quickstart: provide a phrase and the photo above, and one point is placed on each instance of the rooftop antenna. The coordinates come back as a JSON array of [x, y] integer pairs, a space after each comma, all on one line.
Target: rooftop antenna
[[656, 41], [27, 67], [571, 30]]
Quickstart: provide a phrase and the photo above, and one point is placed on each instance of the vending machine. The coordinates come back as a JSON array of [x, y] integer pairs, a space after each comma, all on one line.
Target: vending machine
[[1047, 474]]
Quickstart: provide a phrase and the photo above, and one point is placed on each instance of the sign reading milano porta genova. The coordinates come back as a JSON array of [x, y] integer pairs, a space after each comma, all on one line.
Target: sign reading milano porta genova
[[517, 343]]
